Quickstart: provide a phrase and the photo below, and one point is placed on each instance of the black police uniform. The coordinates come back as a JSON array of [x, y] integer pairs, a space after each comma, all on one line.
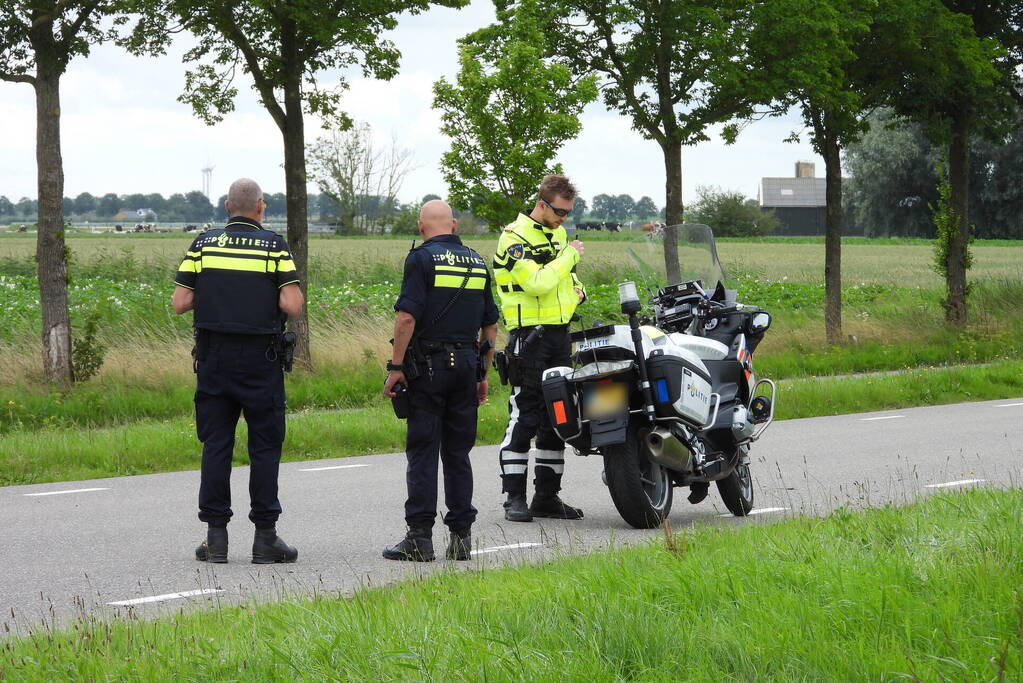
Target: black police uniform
[[236, 273], [443, 403]]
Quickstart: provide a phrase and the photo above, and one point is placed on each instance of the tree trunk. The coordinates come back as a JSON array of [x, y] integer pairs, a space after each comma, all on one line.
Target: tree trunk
[[51, 256], [833, 241], [297, 199], [959, 179], [672, 208]]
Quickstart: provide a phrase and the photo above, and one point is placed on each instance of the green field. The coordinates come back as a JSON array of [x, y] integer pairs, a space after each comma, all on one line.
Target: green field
[[141, 398], [926, 592]]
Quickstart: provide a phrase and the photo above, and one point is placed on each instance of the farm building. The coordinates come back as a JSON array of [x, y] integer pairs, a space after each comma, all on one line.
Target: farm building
[[798, 202]]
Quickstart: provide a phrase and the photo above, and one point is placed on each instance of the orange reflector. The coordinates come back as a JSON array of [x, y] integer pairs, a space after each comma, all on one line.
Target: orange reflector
[[559, 413]]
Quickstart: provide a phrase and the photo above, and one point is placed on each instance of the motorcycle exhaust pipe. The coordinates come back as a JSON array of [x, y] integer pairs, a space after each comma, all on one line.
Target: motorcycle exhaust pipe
[[668, 451]]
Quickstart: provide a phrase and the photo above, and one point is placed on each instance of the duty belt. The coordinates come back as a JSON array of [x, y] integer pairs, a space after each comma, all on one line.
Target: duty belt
[[436, 346]]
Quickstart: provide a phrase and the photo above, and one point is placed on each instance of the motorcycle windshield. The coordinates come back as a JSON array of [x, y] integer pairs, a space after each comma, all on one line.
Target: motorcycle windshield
[[674, 254]]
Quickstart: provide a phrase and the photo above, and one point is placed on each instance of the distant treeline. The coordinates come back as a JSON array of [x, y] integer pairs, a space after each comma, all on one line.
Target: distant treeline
[[191, 207], [195, 207]]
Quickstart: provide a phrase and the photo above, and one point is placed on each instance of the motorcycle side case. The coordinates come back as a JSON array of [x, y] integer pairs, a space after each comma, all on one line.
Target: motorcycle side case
[[680, 387], [561, 399]]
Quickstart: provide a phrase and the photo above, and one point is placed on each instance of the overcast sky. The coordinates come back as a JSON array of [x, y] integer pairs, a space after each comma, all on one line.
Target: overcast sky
[[123, 130]]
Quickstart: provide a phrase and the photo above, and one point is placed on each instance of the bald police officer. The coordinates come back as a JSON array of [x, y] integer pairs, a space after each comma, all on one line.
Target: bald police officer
[[241, 284], [445, 302]]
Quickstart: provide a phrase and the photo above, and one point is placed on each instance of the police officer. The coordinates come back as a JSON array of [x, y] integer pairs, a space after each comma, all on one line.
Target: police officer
[[534, 268], [445, 302], [241, 283]]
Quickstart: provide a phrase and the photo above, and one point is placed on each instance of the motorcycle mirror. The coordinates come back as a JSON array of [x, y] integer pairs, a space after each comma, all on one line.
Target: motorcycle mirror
[[760, 322]]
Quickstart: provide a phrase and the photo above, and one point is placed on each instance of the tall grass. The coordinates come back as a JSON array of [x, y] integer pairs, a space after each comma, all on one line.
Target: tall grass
[[61, 452], [927, 592]]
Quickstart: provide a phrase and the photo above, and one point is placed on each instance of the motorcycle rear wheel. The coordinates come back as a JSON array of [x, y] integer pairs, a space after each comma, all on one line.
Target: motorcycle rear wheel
[[640, 488], [737, 490]]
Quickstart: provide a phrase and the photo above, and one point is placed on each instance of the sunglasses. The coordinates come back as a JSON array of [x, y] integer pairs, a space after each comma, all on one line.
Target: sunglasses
[[557, 211]]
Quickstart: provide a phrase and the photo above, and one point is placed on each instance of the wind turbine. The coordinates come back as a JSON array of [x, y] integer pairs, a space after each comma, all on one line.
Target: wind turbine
[[207, 179]]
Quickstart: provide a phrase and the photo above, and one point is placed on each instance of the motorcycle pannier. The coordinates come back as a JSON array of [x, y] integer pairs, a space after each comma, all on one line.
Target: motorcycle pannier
[[680, 388], [560, 398]]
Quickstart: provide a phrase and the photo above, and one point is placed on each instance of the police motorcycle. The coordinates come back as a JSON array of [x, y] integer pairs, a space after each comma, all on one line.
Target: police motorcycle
[[669, 399]]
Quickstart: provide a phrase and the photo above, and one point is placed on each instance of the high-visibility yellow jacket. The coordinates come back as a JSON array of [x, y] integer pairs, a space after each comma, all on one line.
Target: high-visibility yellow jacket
[[534, 270]]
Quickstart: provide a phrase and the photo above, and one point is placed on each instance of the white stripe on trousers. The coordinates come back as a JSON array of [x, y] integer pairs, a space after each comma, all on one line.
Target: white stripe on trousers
[[513, 421], [513, 417], [553, 459]]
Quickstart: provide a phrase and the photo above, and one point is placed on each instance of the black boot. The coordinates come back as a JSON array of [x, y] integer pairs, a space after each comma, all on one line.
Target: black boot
[[516, 509], [268, 547], [550, 505], [460, 545], [214, 548], [698, 491], [417, 546]]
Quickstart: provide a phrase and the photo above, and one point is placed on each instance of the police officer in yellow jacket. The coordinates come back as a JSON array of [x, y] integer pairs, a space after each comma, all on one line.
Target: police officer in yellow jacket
[[534, 269]]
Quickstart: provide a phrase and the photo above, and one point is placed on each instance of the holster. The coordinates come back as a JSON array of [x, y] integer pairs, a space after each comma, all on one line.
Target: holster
[[501, 365], [201, 347], [413, 360], [523, 372], [481, 360], [400, 401], [286, 349]]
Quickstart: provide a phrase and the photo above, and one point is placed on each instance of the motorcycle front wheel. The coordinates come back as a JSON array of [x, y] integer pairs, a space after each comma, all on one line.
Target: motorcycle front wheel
[[640, 488], [737, 490]]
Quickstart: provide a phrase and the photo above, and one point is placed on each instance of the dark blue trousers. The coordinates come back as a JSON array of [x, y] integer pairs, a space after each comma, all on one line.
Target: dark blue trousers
[[442, 422], [236, 377]]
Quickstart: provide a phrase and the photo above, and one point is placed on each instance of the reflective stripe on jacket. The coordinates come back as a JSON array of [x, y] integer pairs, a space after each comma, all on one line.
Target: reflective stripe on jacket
[[534, 273]]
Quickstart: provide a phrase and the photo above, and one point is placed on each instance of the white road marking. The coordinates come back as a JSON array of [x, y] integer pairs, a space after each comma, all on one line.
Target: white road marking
[[883, 417], [168, 596], [948, 484], [57, 493], [497, 548], [334, 467], [762, 511], [1009, 405]]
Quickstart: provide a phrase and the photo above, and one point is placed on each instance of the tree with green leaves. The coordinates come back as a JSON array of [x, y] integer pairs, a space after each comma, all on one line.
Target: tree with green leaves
[[509, 111], [108, 205], [84, 203], [645, 208], [38, 39], [835, 60], [282, 45], [892, 178], [671, 66], [604, 206], [625, 207], [579, 209], [965, 86], [839, 60], [352, 171], [27, 207], [730, 213]]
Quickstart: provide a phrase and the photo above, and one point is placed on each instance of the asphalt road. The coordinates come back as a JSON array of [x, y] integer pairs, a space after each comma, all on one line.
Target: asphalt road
[[71, 549]]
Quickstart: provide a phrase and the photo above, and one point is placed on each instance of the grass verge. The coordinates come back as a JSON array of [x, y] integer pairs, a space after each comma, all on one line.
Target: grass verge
[[58, 454], [925, 592]]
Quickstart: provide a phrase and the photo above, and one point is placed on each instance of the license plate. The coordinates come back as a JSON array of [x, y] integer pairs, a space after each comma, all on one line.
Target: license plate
[[604, 399]]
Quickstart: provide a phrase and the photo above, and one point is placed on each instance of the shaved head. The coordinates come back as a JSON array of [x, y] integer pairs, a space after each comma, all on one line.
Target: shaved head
[[243, 198], [435, 218]]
